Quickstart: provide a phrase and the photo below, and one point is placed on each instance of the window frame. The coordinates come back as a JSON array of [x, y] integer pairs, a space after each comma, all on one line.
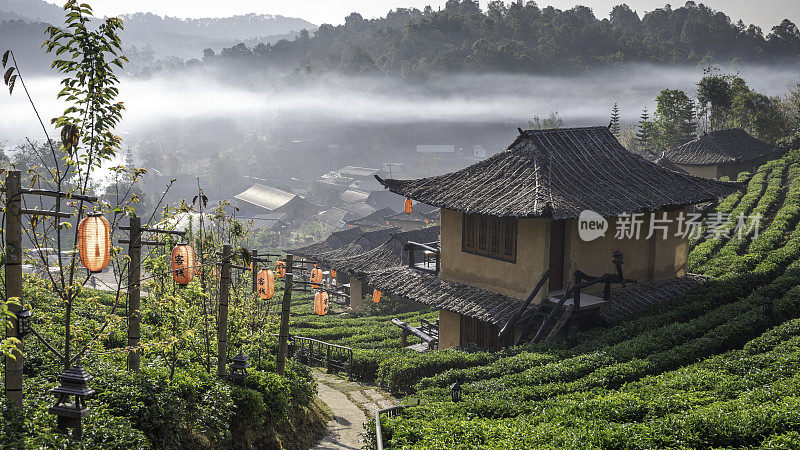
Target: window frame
[[480, 233]]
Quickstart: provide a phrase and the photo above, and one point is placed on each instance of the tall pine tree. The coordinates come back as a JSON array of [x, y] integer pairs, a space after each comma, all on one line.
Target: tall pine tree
[[644, 135], [614, 125]]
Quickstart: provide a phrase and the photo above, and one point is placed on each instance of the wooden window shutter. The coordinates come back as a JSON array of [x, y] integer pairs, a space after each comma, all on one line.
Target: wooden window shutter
[[495, 240], [469, 232], [509, 238], [483, 234]]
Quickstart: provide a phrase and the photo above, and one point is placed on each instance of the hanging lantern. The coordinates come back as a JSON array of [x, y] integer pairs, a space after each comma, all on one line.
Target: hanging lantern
[[280, 268], [376, 296], [265, 282], [333, 273], [387, 222], [316, 277], [94, 242], [408, 206], [183, 264], [426, 221], [321, 303]]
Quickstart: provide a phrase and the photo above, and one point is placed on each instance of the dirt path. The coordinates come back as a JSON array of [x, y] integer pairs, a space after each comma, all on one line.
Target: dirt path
[[351, 404]]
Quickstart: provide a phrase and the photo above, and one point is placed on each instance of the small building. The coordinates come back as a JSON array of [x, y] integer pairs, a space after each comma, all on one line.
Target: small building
[[261, 199], [509, 219], [723, 153]]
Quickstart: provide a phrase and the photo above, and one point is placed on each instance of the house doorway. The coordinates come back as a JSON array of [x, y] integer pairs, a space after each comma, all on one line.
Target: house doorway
[[557, 236]]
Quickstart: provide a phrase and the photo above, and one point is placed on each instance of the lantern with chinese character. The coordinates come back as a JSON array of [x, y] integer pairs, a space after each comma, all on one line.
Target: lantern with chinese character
[[407, 206], [265, 283], [316, 277], [280, 268], [376, 296], [321, 303], [183, 264], [94, 242]]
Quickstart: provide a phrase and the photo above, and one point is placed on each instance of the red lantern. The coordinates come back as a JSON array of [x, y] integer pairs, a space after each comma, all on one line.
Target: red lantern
[[387, 222], [333, 273], [265, 283], [94, 242], [376, 296], [280, 269], [316, 277], [321, 303], [408, 206], [183, 264]]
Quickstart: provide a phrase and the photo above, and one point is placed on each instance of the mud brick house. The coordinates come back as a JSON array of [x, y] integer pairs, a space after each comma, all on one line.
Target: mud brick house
[[507, 220]]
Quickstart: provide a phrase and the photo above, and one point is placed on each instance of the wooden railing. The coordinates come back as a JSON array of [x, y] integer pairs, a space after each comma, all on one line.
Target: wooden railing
[[335, 358], [388, 412]]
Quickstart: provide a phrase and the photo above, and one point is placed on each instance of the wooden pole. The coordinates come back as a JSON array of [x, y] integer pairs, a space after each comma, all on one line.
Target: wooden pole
[[13, 366], [254, 272], [222, 324], [283, 337], [134, 292]]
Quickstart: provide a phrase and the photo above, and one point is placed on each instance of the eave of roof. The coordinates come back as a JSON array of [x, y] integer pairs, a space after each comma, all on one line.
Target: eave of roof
[[559, 173]]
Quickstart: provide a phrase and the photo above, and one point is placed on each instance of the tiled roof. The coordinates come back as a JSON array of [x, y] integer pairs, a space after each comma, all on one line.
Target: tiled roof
[[365, 242], [451, 296], [722, 147], [559, 173], [388, 254], [376, 219], [664, 162], [335, 240]]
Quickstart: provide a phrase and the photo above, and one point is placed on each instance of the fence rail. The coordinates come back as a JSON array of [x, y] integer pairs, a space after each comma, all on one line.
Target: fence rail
[[388, 412], [335, 358]]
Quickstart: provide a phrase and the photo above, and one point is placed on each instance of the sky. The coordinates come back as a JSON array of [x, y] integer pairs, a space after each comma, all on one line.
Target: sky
[[765, 13]]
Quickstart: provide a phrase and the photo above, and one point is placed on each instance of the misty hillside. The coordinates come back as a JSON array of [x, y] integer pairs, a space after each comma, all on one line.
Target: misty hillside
[[525, 39], [165, 36]]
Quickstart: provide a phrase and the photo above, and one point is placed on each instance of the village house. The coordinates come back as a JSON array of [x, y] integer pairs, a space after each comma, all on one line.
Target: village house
[[261, 199], [509, 219], [723, 153]]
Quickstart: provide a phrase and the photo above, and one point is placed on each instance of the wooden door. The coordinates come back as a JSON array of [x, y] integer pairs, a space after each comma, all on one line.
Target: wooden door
[[557, 236]]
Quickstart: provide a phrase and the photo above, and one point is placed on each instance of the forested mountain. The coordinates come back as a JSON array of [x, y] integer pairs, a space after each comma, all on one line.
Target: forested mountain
[[165, 36], [520, 37]]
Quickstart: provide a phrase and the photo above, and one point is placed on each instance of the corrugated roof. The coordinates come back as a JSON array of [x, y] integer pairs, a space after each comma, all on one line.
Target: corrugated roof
[[722, 147], [559, 173], [353, 196], [266, 197]]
